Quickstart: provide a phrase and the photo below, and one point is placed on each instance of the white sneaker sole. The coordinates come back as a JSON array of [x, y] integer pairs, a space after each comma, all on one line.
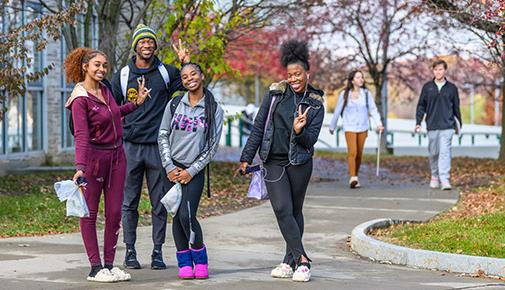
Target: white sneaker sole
[[93, 279], [301, 279], [281, 275]]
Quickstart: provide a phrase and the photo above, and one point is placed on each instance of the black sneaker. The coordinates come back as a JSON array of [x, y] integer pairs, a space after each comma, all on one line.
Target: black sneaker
[[157, 261], [130, 260]]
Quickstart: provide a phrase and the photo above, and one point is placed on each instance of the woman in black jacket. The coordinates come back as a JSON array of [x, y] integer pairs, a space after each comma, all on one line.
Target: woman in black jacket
[[285, 130]]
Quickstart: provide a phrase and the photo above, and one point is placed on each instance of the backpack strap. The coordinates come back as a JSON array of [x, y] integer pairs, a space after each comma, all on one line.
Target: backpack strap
[[164, 74], [366, 101], [125, 73], [173, 105], [368, 109]]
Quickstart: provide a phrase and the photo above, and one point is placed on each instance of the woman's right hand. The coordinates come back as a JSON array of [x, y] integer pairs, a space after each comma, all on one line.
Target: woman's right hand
[[172, 175], [78, 174], [242, 167]]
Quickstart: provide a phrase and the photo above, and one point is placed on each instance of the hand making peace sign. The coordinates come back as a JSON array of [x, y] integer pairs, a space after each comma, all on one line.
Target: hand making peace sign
[[143, 91], [182, 52], [300, 120]]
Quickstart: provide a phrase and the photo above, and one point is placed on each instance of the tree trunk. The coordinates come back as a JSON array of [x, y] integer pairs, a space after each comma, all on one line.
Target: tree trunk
[[108, 14], [378, 102], [88, 24], [502, 139]]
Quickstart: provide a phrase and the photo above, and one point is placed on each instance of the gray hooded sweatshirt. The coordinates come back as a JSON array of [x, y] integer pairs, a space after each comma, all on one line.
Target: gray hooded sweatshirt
[[182, 138]]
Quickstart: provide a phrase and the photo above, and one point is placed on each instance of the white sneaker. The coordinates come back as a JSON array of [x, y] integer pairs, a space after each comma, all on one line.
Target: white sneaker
[[103, 276], [353, 182], [446, 185], [120, 274], [302, 274], [283, 270], [435, 182]]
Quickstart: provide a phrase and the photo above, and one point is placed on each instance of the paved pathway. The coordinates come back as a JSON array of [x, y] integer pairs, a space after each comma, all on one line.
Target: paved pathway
[[243, 246]]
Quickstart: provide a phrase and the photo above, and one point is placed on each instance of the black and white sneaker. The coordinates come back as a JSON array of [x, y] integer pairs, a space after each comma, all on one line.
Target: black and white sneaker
[[130, 260], [157, 261]]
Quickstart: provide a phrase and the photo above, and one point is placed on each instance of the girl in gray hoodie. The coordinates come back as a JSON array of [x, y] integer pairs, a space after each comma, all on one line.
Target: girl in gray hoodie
[[188, 139]]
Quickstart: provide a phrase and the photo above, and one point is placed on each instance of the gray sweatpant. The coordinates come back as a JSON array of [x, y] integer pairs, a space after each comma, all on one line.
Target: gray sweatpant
[[144, 159], [439, 147]]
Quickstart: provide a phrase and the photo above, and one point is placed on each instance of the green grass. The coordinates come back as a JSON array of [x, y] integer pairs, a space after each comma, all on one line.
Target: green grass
[[474, 226], [482, 235], [29, 205]]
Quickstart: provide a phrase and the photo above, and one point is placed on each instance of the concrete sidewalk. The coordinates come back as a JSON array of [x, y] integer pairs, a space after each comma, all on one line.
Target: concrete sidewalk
[[243, 247]]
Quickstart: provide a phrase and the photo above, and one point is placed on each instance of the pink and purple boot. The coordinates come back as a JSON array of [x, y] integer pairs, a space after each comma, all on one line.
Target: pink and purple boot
[[201, 263], [185, 263]]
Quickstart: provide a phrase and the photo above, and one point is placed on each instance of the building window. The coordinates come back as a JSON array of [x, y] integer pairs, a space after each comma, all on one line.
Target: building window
[[21, 130], [67, 140], [15, 125], [34, 121]]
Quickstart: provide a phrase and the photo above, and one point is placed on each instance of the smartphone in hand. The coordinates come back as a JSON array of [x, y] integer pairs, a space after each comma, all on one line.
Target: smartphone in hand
[[81, 181], [250, 169]]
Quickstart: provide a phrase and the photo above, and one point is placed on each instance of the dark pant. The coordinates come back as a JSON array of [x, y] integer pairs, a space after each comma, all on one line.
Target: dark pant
[[144, 159], [287, 194], [185, 220], [105, 173]]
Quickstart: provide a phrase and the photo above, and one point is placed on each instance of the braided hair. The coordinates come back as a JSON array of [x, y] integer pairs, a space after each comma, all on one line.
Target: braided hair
[[210, 106], [295, 51]]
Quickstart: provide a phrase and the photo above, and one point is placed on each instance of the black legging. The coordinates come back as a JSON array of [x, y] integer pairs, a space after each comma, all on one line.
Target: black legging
[[181, 230], [286, 196]]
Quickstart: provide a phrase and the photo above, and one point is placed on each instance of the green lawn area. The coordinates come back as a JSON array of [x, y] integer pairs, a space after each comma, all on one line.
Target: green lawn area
[[29, 205], [481, 235], [474, 226]]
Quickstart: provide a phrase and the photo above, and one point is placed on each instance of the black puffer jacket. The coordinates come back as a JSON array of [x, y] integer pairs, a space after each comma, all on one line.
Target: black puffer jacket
[[301, 147]]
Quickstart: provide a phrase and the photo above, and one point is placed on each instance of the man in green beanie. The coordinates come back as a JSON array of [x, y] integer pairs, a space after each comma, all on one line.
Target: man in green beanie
[[140, 134]]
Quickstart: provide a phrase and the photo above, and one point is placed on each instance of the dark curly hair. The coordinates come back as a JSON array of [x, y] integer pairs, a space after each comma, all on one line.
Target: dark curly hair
[[74, 61], [295, 51]]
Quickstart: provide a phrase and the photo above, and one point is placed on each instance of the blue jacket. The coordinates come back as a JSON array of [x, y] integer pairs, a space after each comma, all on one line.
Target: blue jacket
[[301, 147]]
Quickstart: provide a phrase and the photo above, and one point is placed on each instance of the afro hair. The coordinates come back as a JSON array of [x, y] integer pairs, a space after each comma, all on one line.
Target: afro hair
[[295, 51]]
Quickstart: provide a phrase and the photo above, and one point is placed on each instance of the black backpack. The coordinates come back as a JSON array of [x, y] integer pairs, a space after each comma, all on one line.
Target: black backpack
[[173, 106], [71, 121]]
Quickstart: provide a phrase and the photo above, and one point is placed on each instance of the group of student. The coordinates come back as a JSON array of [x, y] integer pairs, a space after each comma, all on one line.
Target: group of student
[[134, 128]]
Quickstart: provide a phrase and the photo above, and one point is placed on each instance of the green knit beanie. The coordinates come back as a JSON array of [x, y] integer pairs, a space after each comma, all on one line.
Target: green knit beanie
[[143, 31]]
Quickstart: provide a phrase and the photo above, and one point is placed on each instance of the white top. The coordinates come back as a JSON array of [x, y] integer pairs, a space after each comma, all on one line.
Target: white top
[[355, 115], [440, 84]]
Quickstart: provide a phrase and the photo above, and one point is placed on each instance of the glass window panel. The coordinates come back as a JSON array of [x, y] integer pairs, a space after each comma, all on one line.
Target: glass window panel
[[67, 138], [34, 121], [15, 125], [33, 11], [13, 15]]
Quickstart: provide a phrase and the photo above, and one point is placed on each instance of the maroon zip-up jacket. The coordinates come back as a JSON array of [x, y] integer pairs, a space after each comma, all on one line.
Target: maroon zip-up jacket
[[96, 125]]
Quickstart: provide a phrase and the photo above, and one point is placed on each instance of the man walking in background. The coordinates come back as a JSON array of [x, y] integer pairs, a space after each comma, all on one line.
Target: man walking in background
[[439, 100]]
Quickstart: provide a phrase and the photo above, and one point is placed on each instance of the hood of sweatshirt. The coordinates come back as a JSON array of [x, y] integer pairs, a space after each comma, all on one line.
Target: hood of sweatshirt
[[77, 92]]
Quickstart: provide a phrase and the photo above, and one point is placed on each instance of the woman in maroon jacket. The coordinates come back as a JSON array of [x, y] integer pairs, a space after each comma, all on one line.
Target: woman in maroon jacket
[[99, 154]]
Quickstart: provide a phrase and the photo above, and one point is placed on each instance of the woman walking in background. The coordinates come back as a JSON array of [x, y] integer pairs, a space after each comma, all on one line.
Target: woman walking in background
[[355, 106], [285, 130], [99, 154], [188, 139]]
